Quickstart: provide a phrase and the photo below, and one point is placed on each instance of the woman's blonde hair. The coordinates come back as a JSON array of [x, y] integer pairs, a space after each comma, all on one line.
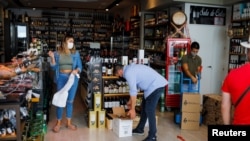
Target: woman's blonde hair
[[64, 47]]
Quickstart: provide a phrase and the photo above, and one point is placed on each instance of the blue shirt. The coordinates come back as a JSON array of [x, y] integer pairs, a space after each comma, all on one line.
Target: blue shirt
[[143, 77]]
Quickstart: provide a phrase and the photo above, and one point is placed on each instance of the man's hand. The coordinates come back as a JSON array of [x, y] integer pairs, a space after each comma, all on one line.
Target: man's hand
[[194, 80], [131, 113], [129, 104]]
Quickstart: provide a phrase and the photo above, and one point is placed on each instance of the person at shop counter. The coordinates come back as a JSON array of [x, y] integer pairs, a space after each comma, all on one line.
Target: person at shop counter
[[235, 85], [153, 84], [191, 63], [64, 61]]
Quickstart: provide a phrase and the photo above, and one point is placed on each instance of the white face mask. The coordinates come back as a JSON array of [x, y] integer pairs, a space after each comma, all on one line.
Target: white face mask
[[70, 45], [193, 54]]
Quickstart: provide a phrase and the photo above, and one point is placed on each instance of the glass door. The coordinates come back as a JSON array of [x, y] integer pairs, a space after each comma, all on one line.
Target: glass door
[[176, 48]]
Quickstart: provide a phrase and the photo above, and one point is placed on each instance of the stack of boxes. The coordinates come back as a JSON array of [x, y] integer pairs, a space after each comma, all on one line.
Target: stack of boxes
[[97, 116], [190, 111]]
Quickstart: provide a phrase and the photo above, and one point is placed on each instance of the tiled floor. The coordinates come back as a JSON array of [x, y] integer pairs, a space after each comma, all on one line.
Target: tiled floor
[[167, 129]]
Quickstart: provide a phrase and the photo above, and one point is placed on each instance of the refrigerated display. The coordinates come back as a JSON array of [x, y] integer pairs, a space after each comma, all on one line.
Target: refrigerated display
[[176, 48]]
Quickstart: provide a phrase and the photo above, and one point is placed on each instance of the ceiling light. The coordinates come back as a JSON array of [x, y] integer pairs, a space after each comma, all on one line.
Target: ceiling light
[[114, 3]]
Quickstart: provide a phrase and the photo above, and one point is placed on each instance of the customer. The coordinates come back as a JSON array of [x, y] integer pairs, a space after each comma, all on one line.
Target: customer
[[64, 61], [153, 84], [235, 84], [191, 64]]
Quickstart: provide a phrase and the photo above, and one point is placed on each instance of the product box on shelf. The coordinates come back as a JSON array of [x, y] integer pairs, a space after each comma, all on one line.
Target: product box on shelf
[[92, 119], [97, 101], [122, 125], [101, 119]]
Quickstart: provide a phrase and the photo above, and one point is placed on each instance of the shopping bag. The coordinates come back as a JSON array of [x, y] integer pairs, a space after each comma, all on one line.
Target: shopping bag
[[60, 97]]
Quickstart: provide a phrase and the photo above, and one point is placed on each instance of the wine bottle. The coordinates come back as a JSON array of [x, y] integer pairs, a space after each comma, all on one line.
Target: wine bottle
[[104, 68], [122, 104], [109, 104], [126, 106], [106, 87], [106, 104], [109, 69]]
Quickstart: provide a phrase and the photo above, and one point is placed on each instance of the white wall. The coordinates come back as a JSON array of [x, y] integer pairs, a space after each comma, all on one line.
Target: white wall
[[214, 49]]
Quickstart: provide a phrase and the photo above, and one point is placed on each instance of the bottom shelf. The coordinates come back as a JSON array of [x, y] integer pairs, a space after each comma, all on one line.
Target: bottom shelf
[[120, 94], [8, 137]]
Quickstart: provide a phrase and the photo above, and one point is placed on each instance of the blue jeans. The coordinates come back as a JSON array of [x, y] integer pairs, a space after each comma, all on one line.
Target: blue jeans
[[62, 80], [148, 112]]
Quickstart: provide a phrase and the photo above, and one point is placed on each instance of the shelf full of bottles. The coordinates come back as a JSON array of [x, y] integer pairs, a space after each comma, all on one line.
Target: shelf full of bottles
[[155, 32], [84, 26], [237, 54], [134, 43], [116, 93], [238, 31]]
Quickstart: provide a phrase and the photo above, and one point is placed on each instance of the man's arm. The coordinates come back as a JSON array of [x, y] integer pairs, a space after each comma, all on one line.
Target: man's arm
[[226, 108], [131, 105], [188, 73]]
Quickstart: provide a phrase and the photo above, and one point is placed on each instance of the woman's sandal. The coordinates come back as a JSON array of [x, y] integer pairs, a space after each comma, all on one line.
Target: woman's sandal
[[71, 126], [56, 128]]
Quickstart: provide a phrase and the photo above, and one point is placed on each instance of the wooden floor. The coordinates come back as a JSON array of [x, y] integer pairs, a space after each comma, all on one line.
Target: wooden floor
[[167, 129]]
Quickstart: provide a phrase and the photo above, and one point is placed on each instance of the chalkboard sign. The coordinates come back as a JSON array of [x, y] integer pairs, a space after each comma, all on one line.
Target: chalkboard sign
[[207, 15]]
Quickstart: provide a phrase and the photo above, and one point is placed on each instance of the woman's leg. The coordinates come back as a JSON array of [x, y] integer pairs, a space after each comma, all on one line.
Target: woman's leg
[[59, 110], [70, 102]]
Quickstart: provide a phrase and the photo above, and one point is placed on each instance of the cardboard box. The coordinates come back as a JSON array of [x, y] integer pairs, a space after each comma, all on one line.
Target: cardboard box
[[122, 125], [190, 120], [92, 119], [191, 102], [97, 101], [101, 119]]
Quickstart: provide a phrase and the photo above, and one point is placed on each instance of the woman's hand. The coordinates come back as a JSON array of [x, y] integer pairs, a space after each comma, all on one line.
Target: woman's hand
[[51, 54], [75, 71]]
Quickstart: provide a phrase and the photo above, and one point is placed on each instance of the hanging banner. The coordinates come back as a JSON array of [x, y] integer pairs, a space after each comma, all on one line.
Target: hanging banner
[[207, 15]]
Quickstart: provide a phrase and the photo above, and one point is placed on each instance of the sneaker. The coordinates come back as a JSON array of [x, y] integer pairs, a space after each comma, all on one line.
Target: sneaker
[[150, 139], [137, 132]]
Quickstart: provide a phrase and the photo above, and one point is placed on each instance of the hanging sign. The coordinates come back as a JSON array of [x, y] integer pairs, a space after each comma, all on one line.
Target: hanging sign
[[207, 15]]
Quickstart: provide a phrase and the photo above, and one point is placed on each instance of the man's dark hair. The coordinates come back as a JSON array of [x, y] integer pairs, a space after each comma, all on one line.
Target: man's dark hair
[[117, 68], [195, 45]]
